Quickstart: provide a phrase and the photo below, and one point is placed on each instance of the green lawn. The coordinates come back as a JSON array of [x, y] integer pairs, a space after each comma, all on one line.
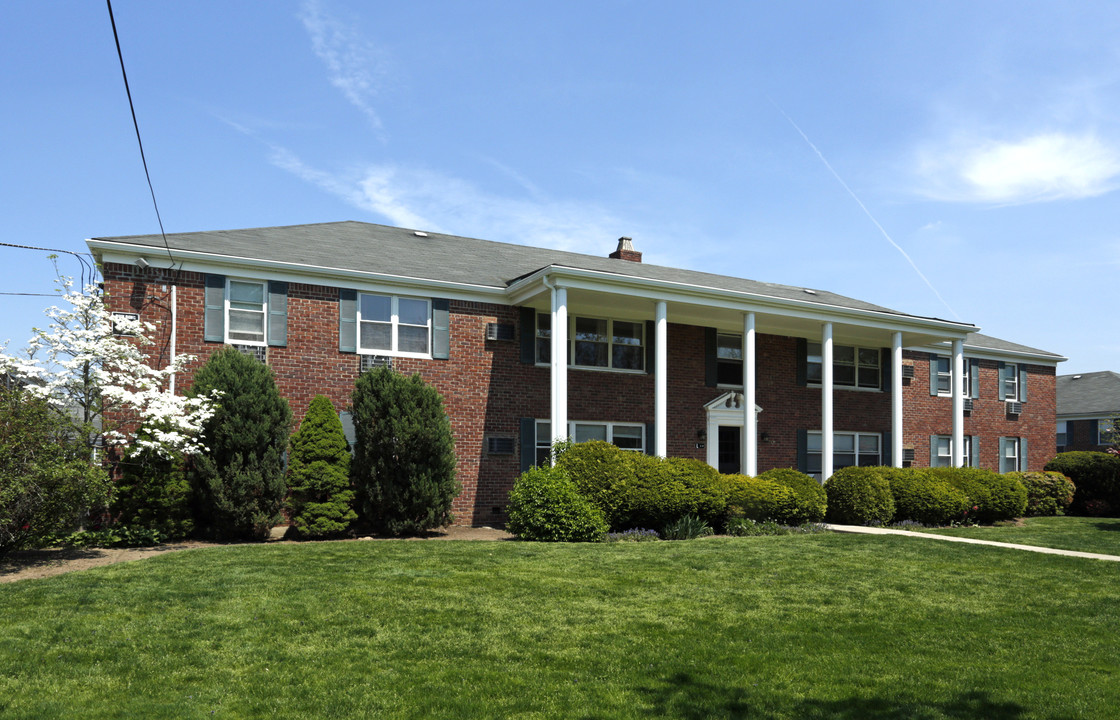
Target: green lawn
[[816, 626], [1096, 535]]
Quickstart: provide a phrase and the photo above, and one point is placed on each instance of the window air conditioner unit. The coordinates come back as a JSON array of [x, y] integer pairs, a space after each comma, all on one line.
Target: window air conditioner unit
[[499, 331], [370, 362], [907, 454], [1014, 408], [908, 371], [259, 352], [968, 404]]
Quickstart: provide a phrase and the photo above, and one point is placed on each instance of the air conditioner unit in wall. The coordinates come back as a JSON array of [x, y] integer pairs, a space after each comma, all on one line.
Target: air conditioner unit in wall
[[499, 331], [499, 445], [968, 404], [1014, 408], [259, 352], [908, 371], [907, 454], [369, 362]]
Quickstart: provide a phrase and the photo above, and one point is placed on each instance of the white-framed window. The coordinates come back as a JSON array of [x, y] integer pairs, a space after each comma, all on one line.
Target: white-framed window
[[1009, 382], [391, 324], [596, 342], [1106, 431], [851, 366], [1009, 457], [729, 359], [628, 436], [945, 376], [943, 455], [246, 311], [848, 449], [1063, 433]]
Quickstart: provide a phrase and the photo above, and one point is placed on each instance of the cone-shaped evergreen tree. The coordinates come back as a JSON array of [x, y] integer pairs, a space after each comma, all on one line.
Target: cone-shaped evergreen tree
[[239, 483], [319, 474], [404, 459]]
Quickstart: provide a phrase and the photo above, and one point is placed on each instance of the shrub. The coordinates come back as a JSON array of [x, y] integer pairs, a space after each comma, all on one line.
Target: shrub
[[761, 499], [152, 491], [404, 457], [319, 474], [47, 482], [858, 496], [1048, 493], [706, 489], [601, 473], [923, 498], [809, 495], [992, 497], [238, 483], [1096, 476], [545, 505], [688, 527], [634, 535]]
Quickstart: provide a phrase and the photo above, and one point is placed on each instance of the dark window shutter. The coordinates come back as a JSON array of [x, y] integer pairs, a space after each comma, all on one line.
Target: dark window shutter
[[886, 455], [802, 362], [933, 450], [974, 372], [528, 442], [974, 451], [348, 428], [711, 358], [277, 313], [1002, 454], [651, 346], [886, 367], [932, 374], [802, 450], [528, 335], [347, 320], [1023, 456], [441, 329], [1022, 383], [1002, 375], [650, 449], [214, 319]]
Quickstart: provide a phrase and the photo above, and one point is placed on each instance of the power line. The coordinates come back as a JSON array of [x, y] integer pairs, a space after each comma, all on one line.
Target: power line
[[136, 125], [86, 267]]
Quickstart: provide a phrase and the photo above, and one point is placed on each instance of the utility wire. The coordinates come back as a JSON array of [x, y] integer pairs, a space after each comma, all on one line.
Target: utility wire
[[136, 125], [86, 267]]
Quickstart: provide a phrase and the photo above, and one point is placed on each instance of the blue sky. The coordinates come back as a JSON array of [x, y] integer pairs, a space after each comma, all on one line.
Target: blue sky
[[953, 159]]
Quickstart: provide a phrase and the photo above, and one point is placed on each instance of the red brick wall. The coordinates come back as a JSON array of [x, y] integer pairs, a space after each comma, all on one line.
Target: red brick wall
[[1082, 435], [924, 414]]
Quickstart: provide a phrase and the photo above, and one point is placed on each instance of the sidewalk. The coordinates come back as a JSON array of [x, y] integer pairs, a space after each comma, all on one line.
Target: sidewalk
[[859, 529]]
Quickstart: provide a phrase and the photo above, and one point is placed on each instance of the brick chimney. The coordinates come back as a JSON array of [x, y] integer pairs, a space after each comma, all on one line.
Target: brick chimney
[[626, 251]]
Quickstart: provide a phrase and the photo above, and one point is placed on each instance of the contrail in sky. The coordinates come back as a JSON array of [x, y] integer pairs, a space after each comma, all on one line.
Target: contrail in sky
[[865, 210]]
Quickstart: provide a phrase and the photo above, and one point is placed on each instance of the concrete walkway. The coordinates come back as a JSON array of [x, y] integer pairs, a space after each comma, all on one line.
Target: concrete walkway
[[859, 529]]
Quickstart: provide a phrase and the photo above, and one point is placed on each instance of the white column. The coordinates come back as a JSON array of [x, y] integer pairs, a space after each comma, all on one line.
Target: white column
[[826, 402], [750, 419], [661, 380], [896, 400], [958, 403], [559, 367]]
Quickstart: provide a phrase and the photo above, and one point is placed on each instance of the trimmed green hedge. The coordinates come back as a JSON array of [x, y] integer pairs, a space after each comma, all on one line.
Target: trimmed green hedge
[[991, 496], [809, 495], [859, 496], [923, 497], [760, 499], [545, 505], [1097, 477], [1048, 493]]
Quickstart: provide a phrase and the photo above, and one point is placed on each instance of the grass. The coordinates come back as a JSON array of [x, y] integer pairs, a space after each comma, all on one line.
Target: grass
[[1095, 535], [813, 626]]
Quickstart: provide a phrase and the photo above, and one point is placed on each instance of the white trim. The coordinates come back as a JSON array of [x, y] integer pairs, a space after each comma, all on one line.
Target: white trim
[[558, 372], [896, 401], [827, 431], [984, 353], [661, 379], [394, 325], [263, 342], [750, 416], [957, 386]]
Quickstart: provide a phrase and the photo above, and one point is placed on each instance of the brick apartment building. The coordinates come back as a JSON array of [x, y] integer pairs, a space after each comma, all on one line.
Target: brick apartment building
[[1088, 405], [528, 345]]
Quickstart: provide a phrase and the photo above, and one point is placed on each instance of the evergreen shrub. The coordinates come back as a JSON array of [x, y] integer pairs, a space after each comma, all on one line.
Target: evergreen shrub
[[1097, 478], [545, 505], [1048, 493], [761, 499], [924, 498], [992, 497], [404, 457], [809, 495], [152, 492], [859, 496], [602, 473], [320, 499], [238, 483]]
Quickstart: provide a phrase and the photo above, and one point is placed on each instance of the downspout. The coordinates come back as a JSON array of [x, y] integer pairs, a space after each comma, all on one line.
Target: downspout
[[174, 318]]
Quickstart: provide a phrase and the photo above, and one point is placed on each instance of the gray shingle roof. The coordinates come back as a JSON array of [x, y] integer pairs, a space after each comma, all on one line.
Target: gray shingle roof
[[367, 247], [990, 343], [1095, 393]]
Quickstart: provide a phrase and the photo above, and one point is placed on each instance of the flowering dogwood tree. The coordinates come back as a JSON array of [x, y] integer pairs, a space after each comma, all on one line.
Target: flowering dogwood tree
[[92, 365]]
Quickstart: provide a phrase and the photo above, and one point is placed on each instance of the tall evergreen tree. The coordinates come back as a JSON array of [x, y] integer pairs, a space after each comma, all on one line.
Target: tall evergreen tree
[[404, 460], [319, 474], [239, 483]]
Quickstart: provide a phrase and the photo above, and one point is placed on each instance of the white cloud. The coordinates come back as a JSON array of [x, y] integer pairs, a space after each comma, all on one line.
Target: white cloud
[[1039, 168], [354, 65]]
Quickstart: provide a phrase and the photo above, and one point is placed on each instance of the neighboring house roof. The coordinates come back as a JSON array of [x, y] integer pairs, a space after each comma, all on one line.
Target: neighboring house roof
[[405, 253], [1095, 393]]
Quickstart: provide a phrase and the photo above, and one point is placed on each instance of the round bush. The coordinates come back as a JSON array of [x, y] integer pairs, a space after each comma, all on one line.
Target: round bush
[[1096, 476], [601, 472], [707, 488], [991, 496], [924, 498], [1048, 493], [809, 495], [859, 496], [761, 499], [545, 505]]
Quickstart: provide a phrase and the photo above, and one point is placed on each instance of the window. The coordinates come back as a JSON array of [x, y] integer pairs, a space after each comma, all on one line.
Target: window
[[942, 455], [848, 449], [246, 309], [1063, 433], [392, 324], [1106, 431], [596, 342], [729, 359], [851, 366], [627, 436], [942, 367], [1009, 456], [1010, 385]]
